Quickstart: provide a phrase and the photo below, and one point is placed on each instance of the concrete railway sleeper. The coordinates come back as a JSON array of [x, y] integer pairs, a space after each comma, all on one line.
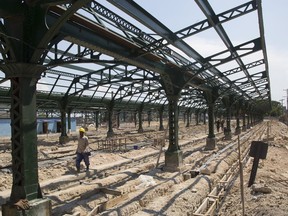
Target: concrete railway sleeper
[[118, 143], [138, 198], [211, 203], [124, 177], [70, 181], [138, 203]]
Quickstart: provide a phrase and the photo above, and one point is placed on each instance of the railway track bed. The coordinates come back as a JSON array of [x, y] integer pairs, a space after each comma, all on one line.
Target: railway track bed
[[130, 184]]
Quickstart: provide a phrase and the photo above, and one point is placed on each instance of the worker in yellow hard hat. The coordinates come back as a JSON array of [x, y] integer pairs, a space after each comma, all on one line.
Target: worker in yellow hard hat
[[82, 130], [82, 152]]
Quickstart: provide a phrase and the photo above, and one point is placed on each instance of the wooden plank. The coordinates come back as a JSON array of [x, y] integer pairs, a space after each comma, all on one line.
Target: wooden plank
[[113, 202], [211, 210], [110, 191], [90, 193], [94, 211], [202, 207]]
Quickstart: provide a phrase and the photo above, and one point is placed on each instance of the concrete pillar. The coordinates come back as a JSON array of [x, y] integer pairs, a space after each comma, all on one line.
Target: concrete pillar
[[38, 207]]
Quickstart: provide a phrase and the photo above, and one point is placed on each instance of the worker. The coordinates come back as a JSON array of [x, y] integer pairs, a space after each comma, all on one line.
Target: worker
[[82, 152]]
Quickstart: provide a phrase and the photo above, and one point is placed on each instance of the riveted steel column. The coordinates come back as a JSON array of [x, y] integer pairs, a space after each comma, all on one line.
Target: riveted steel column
[[69, 121], [244, 122], [204, 117], [63, 110], [211, 98], [24, 78], [238, 129], [173, 125], [188, 117], [124, 116], [173, 155], [161, 110], [118, 118], [135, 118], [197, 117], [97, 120], [210, 141], [228, 135], [140, 110], [211, 120], [149, 118], [237, 107], [228, 101], [248, 121], [63, 137], [110, 132]]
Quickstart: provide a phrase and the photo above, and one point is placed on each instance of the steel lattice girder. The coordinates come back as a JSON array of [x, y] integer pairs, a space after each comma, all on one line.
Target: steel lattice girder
[[97, 36]]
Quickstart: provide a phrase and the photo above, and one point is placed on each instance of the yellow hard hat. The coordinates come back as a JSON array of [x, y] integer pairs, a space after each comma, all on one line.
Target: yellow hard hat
[[82, 130]]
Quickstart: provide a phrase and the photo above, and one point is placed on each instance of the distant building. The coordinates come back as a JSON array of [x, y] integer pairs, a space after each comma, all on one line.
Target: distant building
[[44, 126]]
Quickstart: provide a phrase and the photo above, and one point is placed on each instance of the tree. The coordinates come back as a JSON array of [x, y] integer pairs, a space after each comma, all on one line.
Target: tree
[[277, 109]]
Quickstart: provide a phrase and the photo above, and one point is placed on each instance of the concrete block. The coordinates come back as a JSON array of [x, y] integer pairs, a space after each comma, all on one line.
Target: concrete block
[[38, 207]]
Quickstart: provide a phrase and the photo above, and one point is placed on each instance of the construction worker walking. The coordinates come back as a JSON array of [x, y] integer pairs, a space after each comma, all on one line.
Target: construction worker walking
[[82, 152]]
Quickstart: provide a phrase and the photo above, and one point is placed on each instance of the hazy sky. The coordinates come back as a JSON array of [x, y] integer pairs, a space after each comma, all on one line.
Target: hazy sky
[[275, 18], [182, 13]]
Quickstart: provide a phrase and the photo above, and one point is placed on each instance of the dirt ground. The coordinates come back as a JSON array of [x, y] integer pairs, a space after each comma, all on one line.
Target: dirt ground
[[272, 179], [173, 196]]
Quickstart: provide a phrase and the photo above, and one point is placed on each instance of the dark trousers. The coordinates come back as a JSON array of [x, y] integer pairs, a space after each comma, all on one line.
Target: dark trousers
[[80, 157]]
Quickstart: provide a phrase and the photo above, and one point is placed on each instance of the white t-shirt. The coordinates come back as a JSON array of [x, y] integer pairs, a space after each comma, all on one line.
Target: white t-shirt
[[82, 144]]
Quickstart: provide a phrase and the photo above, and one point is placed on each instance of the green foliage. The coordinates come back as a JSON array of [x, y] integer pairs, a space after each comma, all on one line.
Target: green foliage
[[277, 109]]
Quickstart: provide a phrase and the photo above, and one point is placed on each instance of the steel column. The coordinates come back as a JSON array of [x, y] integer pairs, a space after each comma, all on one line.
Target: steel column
[[238, 129], [227, 132], [118, 118], [188, 117], [69, 121], [149, 118], [173, 125], [140, 110], [97, 120], [161, 110], [173, 155], [24, 78], [244, 122], [63, 110], [110, 131]]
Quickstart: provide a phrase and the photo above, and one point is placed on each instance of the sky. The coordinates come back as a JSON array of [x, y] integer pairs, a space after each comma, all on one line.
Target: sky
[[275, 31]]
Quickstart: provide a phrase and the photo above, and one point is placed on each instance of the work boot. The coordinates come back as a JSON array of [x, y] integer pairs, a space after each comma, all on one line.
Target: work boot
[[78, 169], [87, 168]]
